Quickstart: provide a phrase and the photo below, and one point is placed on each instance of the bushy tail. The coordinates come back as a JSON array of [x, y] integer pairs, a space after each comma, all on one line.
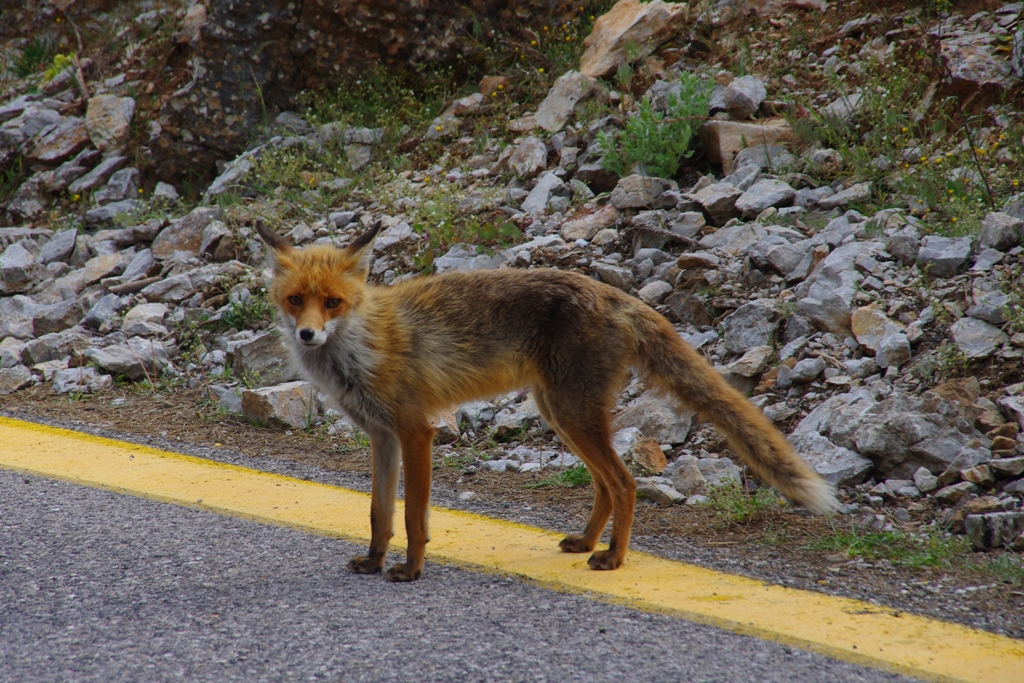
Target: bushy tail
[[670, 364]]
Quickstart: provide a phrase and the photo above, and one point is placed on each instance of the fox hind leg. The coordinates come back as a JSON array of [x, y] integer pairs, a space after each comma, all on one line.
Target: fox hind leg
[[588, 435], [384, 452]]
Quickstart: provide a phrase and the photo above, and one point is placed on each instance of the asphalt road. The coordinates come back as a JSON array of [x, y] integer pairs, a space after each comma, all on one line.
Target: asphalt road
[[99, 586]]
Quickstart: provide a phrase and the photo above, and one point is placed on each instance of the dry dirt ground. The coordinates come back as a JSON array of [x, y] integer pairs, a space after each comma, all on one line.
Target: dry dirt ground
[[772, 545]]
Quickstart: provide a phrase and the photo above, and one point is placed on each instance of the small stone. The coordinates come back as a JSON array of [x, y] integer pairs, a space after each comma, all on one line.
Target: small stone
[[924, 480], [656, 417], [57, 317], [292, 404], [218, 242], [10, 352], [616, 276], [977, 339], [648, 454], [605, 238], [893, 351], [686, 476], [446, 428], [83, 380], [743, 96], [980, 474], [806, 370], [529, 158], [994, 529], [165, 191], [106, 215], [659, 490], [753, 361], [844, 108], [228, 398], [97, 176], [992, 308], [145, 320], [655, 292], [570, 88], [624, 439], [1007, 467], [585, 227], [838, 465], [762, 195], [14, 378], [725, 139], [122, 185], [105, 265], [18, 269], [108, 119], [65, 140], [870, 326], [642, 192], [943, 257], [951, 495], [1001, 231], [137, 359], [720, 471], [752, 324], [262, 360], [719, 201], [59, 247], [55, 345], [537, 201], [185, 234], [858, 193]]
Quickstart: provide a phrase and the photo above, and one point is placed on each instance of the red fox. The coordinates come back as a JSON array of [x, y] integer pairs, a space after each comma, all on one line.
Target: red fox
[[393, 357]]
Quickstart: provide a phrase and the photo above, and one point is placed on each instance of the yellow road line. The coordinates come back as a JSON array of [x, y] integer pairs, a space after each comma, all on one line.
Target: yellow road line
[[838, 627]]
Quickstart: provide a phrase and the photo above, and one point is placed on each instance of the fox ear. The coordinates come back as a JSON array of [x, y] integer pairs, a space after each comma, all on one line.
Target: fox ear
[[277, 243], [361, 247]]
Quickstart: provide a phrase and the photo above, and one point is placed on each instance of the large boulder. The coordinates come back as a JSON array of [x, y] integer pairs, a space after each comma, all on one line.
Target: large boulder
[[628, 23], [250, 60]]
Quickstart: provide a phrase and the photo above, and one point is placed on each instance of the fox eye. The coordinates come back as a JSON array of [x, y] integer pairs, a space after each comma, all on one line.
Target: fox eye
[[333, 303], [295, 300]]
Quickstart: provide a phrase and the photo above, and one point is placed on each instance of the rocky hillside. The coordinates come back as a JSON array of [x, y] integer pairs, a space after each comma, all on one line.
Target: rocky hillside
[[822, 197]]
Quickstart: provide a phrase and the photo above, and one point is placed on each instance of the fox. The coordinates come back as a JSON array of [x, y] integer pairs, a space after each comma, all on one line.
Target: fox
[[393, 357]]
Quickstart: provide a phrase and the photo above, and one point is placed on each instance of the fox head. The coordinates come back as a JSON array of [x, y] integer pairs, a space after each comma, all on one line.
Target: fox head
[[316, 289]]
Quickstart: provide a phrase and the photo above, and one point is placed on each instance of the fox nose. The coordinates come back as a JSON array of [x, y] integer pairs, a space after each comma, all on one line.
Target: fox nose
[[306, 335]]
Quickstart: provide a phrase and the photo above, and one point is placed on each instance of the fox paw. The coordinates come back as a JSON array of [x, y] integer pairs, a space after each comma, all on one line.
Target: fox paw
[[403, 573], [575, 544], [604, 560], [365, 565]]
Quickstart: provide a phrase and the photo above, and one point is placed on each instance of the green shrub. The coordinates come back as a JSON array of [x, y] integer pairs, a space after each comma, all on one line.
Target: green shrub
[[36, 53], [658, 140]]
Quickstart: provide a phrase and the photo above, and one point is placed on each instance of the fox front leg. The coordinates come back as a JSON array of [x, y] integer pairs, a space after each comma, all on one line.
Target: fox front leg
[[416, 443], [385, 457]]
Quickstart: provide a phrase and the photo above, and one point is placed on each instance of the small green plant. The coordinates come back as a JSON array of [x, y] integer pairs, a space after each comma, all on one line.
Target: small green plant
[[930, 547], [1006, 567], [356, 441], [569, 478], [249, 313], [454, 460], [952, 361], [381, 98], [655, 140], [59, 64], [736, 506], [440, 220], [36, 52], [251, 379]]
